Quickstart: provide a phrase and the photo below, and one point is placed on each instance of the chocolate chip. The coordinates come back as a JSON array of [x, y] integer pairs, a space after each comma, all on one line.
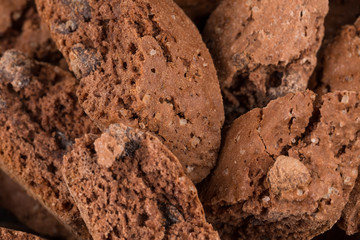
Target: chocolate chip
[[83, 60]]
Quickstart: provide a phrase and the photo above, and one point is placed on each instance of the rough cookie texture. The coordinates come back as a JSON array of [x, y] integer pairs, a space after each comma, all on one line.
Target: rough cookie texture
[[198, 10], [263, 49], [128, 185], [28, 211], [151, 72], [342, 59], [28, 34], [39, 118], [8, 234], [10, 11], [286, 171]]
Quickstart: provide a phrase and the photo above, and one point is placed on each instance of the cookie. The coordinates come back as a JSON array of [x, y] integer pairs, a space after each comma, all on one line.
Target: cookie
[[39, 119], [152, 72], [341, 60], [286, 171], [198, 10], [28, 34], [10, 11], [263, 49], [8, 234], [29, 211], [128, 185]]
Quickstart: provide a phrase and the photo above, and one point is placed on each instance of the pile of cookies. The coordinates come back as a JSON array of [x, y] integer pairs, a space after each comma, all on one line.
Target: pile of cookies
[[119, 120]]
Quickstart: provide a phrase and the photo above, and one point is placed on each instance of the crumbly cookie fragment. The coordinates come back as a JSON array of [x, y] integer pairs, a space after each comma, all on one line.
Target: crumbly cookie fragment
[[39, 119], [29, 211], [151, 72], [342, 59], [8, 234], [128, 185], [286, 171], [264, 49]]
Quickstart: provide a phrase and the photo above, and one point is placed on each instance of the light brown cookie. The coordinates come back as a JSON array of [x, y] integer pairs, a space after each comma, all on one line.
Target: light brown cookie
[[39, 119], [286, 171], [263, 49], [151, 72], [128, 185]]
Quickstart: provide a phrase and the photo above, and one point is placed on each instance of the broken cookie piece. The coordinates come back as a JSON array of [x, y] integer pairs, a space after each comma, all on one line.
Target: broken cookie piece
[[128, 185], [8, 234], [39, 120], [342, 59], [152, 72], [263, 49], [286, 171]]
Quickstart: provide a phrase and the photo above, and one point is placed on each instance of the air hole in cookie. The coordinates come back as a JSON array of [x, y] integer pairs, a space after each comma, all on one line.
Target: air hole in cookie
[[153, 70], [275, 79], [142, 218], [125, 65], [51, 168], [135, 69], [133, 49]]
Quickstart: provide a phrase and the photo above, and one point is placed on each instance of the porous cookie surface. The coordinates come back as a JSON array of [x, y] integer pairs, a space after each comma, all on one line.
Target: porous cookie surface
[[29, 211], [128, 185], [8, 234], [342, 59], [26, 32], [263, 49], [286, 171], [151, 72], [39, 118]]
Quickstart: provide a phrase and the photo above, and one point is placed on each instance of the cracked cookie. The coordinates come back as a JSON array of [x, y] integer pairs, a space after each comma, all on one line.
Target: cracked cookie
[[263, 49], [29, 211], [342, 59], [39, 119], [8, 234], [286, 171], [128, 185], [152, 72]]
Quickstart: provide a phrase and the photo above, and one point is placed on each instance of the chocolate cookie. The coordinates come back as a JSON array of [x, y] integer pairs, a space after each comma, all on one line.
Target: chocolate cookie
[[128, 185], [27, 34], [151, 72], [8, 234], [263, 49], [341, 60], [198, 10], [39, 118], [286, 171], [29, 211]]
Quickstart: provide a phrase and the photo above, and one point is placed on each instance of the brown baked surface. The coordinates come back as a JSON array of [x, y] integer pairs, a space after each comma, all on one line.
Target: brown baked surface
[[286, 171], [151, 72], [128, 185], [29, 211], [39, 119], [263, 49], [8, 234]]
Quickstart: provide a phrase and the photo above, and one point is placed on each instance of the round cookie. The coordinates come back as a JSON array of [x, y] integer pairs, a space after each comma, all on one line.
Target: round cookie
[[263, 49], [342, 60], [286, 171], [128, 185], [151, 72]]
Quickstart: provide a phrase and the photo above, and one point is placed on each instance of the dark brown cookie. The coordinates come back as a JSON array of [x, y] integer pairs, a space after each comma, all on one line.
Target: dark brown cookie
[[39, 119], [342, 59], [151, 72], [286, 171], [263, 49], [29, 211], [8, 234], [128, 185]]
